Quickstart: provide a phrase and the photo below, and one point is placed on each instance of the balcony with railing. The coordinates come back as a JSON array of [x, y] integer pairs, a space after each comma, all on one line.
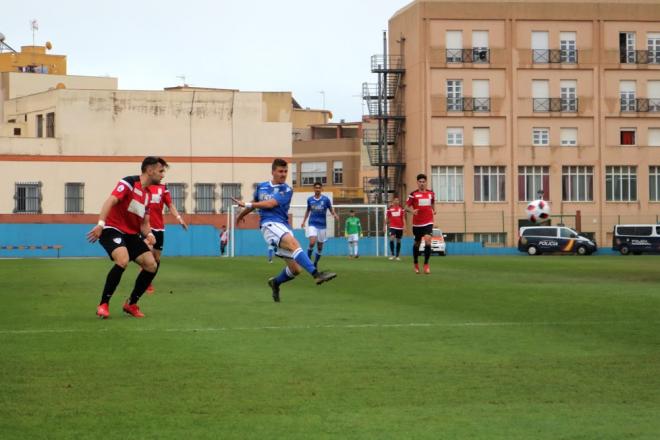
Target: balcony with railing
[[548, 105], [476, 55], [627, 56], [651, 105], [389, 63], [468, 104], [554, 56]]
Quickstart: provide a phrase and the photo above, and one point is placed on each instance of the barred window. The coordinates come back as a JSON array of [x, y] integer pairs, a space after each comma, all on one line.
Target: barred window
[[229, 190], [490, 238], [178, 195], [204, 198], [27, 197], [50, 125], [294, 173], [654, 183], [621, 183], [577, 183], [74, 197], [531, 180], [489, 184], [448, 183]]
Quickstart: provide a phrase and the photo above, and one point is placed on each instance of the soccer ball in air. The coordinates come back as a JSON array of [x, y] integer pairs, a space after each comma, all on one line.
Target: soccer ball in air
[[538, 211]]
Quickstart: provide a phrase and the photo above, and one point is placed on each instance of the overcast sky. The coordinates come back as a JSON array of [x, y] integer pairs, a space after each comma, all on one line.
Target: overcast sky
[[302, 46]]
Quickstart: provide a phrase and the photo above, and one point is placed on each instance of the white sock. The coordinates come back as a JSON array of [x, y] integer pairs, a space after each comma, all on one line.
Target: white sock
[[356, 248]]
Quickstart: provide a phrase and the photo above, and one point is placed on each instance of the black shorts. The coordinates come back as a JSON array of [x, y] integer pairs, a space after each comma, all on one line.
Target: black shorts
[[398, 233], [160, 239], [112, 239], [421, 231]]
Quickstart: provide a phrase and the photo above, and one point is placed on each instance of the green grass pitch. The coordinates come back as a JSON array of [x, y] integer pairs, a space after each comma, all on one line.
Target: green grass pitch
[[483, 348]]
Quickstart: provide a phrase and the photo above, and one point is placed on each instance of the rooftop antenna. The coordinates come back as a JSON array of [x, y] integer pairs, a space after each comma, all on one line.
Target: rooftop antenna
[[183, 80], [322, 92], [35, 27]]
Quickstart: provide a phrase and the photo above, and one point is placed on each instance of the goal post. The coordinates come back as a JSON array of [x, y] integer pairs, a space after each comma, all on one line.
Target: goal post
[[244, 242]]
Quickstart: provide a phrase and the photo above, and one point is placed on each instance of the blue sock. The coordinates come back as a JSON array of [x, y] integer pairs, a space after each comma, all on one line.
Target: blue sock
[[316, 260], [270, 254], [301, 258], [284, 276], [309, 252]]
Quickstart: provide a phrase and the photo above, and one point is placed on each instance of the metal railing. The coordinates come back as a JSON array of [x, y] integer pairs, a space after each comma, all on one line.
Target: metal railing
[[554, 56], [476, 55], [381, 63], [468, 104], [555, 104], [640, 105], [639, 56]]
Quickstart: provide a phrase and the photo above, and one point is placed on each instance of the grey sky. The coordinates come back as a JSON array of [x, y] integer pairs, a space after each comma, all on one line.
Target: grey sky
[[290, 45]]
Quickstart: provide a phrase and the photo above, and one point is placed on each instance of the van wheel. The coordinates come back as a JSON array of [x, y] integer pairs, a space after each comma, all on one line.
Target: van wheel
[[442, 254], [625, 250], [532, 250], [582, 250]]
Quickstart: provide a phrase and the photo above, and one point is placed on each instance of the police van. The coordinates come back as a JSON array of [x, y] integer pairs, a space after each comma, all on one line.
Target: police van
[[536, 240], [636, 239]]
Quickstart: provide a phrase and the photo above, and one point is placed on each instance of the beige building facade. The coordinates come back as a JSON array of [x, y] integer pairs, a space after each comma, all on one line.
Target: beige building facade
[[65, 141], [505, 99]]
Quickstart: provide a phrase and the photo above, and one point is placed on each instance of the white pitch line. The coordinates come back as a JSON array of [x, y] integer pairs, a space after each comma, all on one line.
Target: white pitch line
[[325, 326]]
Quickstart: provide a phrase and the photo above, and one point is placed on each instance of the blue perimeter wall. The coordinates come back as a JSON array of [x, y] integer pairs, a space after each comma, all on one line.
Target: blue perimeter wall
[[202, 240]]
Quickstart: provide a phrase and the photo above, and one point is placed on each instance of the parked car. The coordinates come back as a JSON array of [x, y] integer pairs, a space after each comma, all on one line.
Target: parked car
[[438, 244], [536, 240], [636, 239]]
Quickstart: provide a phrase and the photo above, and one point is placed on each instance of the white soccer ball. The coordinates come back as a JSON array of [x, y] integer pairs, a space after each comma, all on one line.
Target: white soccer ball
[[538, 211]]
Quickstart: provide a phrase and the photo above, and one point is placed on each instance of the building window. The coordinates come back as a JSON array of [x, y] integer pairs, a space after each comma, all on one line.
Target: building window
[[627, 47], [481, 136], [338, 172], [17, 131], [40, 125], [540, 95], [628, 136], [621, 183], [229, 191], [454, 95], [653, 40], [455, 136], [480, 51], [74, 197], [568, 47], [489, 184], [490, 238], [294, 173], [627, 92], [204, 198], [448, 183], [531, 180], [540, 137], [178, 195], [27, 197], [454, 45], [50, 125], [577, 183], [312, 172], [654, 184], [568, 96], [654, 137], [569, 137], [540, 52]]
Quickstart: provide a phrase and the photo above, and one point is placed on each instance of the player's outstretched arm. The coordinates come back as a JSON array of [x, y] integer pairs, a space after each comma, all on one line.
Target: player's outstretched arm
[[305, 217], [176, 214], [95, 233]]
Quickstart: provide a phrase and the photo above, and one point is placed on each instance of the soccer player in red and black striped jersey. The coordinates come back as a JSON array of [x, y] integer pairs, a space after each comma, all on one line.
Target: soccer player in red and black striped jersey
[[160, 196], [421, 203], [396, 217], [124, 232]]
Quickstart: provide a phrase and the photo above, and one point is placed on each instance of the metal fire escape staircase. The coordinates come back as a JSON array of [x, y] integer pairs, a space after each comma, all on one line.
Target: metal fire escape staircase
[[384, 102]]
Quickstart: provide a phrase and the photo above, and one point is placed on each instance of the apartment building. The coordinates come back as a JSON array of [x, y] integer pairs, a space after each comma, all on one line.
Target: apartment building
[[506, 100]]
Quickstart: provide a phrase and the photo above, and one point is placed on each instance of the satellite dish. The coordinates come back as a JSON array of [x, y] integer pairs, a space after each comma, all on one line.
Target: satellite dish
[[2, 37], [49, 45]]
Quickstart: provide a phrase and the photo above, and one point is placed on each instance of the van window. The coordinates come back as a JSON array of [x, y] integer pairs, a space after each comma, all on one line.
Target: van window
[[634, 230], [540, 232], [566, 233], [657, 230]]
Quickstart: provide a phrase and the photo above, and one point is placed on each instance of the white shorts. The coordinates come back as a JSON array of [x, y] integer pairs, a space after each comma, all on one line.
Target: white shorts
[[273, 233], [320, 234], [353, 237]]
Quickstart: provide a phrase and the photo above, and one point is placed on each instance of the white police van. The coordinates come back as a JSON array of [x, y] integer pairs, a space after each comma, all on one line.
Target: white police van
[[536, 240], [636, 239]]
